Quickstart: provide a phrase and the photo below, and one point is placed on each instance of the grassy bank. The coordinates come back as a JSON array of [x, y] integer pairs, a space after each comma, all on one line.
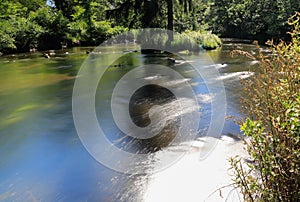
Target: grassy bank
[[205, 39], [188, 40]]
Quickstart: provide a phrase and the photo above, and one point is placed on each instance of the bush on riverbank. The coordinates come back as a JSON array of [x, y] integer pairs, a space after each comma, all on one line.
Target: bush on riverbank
[[188, 40], [195, 40], [272, 104], [183, 42], [205, 39]]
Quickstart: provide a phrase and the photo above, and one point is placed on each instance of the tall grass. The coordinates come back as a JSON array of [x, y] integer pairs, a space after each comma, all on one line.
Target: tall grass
[[206, 40], [188, 40]]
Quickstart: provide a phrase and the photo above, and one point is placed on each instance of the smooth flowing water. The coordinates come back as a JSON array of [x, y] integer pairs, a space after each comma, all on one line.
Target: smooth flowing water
[[41, 155]]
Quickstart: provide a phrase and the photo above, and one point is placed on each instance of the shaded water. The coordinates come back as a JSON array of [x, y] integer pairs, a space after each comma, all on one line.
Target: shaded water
[[41, 156]]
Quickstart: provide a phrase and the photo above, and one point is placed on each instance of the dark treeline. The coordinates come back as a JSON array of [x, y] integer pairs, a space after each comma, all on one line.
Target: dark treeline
[[37, 24]]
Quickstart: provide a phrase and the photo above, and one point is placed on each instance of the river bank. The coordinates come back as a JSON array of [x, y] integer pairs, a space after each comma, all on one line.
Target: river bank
[[189, 40]]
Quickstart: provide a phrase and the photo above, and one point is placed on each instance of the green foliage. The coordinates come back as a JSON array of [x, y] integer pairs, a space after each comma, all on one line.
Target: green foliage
[[273, 127], [7, 42], [206, 40], [88, 25], [32, 24], [11, 9], [191, 18], [183, 42], [54, 26], [22, 29], [251, 18], [103, 30], [19, 33], [153, 39], [187, 14], [32, 5], [188, 40], [89, 22], [210, 41], [27, 34]]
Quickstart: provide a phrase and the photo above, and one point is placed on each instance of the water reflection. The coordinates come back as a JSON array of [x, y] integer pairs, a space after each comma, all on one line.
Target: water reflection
[[149, 101], [41, 156]]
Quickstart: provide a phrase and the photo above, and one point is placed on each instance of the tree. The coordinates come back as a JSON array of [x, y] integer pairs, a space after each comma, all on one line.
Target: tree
[[251, 18], [154, 13], [66, 6], [17, 32], [33, 5], [170, 15]]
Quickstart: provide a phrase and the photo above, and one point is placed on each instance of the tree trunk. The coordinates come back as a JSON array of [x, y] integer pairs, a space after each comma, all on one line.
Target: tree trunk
[[170, 18], [151, 10]]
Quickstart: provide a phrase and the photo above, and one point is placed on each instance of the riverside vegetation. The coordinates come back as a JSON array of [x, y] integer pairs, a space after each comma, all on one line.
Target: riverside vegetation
[[272, 105], [272, 101], [34, 24]]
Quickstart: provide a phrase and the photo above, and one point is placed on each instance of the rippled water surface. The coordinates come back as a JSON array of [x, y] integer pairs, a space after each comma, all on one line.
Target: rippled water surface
[[41, 156]]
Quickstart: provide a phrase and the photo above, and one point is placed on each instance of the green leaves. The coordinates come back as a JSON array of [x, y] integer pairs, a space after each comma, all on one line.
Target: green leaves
[[32, 24], [7, 42], [251, 18]]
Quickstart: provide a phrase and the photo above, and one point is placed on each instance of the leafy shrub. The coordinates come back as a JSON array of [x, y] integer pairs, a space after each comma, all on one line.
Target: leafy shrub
[[54, 25], [206, 40], [7, 42], [184, 42], [272, 104], [152, 38], [103, 30], [27, 35], [188, 40], [17, 33]]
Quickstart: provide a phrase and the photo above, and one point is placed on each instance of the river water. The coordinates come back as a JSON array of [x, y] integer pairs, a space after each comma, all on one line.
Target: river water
[[41, 155]]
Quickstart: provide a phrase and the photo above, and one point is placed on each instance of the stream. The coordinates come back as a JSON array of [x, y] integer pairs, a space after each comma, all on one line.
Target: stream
[[41, 155]]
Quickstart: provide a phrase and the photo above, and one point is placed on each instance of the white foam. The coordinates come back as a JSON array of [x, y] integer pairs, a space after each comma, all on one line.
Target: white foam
[[206, 98], [235, 75], [152, 77]]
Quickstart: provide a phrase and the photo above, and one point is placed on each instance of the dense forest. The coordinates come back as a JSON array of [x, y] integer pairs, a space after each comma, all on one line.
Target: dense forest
[[41, 24]]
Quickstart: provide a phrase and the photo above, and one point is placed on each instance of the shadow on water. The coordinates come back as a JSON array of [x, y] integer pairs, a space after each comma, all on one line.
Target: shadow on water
[[143, 102]]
